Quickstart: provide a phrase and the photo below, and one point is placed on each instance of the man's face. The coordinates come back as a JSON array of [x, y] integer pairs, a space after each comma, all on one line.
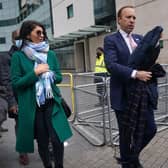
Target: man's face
[[127, 20]]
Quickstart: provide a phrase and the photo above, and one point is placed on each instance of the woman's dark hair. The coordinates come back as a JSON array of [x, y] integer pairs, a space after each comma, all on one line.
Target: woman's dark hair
[[27, 27]]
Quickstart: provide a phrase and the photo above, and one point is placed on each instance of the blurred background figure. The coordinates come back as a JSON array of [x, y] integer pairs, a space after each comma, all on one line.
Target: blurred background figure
[[23, 157], [16, 42], [100, 71], [7, 99]]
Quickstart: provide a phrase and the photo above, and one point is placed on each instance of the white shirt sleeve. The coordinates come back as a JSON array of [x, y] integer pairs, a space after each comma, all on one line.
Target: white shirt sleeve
[[133, 75]]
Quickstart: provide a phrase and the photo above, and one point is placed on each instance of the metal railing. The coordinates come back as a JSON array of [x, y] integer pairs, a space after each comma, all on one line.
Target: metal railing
[[93, 117], [91, 111], [67, 92], [98, 123]]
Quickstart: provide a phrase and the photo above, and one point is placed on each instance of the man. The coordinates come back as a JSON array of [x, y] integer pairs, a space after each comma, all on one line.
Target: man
[[7, 100], [118, 47], [100, 72], [8, 103]]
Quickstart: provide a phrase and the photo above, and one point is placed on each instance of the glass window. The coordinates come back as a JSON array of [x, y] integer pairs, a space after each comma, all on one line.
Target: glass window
[[8, 22], [66, 57], [2, 40], [70, 12], [161, 43], [0, 5]]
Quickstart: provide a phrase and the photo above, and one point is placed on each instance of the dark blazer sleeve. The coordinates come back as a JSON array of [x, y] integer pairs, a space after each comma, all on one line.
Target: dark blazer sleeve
[[115, 58], [6, 90]]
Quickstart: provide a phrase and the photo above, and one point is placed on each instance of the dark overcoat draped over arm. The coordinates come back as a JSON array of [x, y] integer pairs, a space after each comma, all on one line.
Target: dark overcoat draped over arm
[[147, 51], [141, 94], [144, 58]]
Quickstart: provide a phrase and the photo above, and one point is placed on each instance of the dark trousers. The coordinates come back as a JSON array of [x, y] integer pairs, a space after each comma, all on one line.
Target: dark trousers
[[3, 110], [44, 132], [126, 148]]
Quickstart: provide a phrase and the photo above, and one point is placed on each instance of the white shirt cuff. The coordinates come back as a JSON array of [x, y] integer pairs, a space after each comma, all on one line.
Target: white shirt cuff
[[133, 74]]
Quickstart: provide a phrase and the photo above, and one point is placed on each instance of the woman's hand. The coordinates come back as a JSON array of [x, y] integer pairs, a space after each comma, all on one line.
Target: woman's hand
[[13, 109], [41, 68]]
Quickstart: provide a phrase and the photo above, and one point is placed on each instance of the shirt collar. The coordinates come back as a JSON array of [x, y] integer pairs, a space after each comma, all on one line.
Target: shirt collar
[[123, 33]]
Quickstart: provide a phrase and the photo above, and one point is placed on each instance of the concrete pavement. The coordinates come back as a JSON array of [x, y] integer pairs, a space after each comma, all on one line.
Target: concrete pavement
[[80, 154]]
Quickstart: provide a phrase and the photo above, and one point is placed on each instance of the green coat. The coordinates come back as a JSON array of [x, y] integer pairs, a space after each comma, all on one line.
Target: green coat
[[23, 81]]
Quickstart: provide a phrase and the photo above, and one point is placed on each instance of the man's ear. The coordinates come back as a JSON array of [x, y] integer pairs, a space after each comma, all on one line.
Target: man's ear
[[118, 20]]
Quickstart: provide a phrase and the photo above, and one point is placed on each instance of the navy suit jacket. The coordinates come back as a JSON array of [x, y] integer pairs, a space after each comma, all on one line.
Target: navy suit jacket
[[116, 58]]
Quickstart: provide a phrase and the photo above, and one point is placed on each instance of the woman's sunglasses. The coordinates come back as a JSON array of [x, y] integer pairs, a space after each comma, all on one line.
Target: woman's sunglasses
[[39, 33]]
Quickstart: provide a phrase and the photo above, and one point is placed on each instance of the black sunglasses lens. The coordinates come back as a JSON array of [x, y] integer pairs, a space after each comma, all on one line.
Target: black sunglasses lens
[[39, 33]]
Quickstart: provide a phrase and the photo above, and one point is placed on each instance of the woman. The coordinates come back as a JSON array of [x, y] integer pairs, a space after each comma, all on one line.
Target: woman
[[35, 73]]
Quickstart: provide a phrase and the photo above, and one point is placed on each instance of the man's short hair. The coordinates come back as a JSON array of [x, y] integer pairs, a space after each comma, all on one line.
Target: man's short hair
[[122, 8]]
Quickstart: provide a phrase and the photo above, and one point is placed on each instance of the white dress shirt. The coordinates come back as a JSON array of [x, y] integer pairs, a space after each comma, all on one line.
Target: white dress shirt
[[125, 37]]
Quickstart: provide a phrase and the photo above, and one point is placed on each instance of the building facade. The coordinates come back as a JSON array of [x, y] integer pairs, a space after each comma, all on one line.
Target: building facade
[[81, 25], [77, 27], [14, 12]]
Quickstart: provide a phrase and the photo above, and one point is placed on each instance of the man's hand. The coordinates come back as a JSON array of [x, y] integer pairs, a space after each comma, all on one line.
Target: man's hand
[[143, 75], [13, 109]]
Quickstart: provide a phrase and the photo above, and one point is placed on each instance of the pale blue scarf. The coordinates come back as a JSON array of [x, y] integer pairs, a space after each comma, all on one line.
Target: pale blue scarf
[[38, 53]]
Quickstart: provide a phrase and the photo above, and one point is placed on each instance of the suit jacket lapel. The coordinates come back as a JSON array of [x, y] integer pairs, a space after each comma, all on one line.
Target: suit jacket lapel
[[123, 43], [136, 39]]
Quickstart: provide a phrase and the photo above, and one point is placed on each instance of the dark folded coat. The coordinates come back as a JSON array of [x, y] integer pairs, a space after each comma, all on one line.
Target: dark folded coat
[[140, 93], [144, 58], [147, 51]]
